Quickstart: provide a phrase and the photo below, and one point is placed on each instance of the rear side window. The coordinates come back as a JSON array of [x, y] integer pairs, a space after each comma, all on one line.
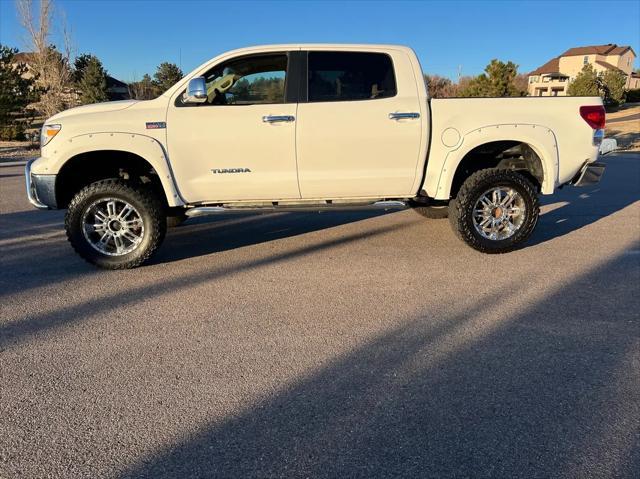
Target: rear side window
[[348, 76]]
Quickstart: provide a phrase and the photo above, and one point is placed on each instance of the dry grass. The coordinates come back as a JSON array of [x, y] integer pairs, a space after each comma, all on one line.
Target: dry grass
[[627, 133], [18, 150]]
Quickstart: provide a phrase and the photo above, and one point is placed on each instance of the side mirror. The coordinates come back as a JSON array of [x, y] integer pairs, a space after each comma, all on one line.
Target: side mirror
[[196, 91]]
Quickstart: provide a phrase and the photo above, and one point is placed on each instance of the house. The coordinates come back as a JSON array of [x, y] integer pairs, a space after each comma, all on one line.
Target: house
[[554, 77], [116, 89]]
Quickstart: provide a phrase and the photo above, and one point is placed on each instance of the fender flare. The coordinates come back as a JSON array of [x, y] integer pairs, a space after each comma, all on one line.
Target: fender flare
[[144, 146], [539, 137]]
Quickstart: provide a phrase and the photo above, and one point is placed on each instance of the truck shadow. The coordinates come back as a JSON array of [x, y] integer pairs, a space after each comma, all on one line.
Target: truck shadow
[[35, 251], [212, 234], [547, 392]]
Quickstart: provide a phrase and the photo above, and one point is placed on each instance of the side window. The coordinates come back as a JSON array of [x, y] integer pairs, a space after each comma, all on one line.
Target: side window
[[348, 76], [248, 80]]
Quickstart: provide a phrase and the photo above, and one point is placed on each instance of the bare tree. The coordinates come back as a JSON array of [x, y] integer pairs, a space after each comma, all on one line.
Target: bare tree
[[144, 89], [439, 87], [51, 66], [522, 83]]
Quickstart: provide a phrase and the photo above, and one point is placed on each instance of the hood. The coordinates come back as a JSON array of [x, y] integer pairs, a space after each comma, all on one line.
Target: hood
[[106, 106]]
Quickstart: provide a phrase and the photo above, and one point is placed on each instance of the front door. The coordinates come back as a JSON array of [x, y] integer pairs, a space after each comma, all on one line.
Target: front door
[[240, 143], [360, 131]]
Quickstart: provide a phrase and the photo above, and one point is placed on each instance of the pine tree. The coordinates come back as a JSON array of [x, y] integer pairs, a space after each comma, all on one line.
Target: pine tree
[[93, 81], [16, 92], [497, 81], [586, 83], [613, 84], [167, 75], [79, 66]]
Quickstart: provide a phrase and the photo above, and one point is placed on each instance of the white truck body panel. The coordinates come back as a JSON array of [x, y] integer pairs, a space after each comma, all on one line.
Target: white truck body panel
[[352, 149], [333, 150], [112, 126], [551, 126]]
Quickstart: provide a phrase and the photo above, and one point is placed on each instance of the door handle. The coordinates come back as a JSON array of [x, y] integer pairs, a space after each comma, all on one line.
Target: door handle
[[401, 116], [277, 118]]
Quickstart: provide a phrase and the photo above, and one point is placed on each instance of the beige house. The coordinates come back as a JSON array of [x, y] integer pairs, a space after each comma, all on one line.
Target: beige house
[[554, 77]]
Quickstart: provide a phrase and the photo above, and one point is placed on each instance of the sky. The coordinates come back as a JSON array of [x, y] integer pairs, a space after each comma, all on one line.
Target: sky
[[132, 37]]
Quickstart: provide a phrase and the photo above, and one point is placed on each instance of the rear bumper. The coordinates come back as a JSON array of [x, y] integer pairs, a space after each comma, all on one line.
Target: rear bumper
[[589, 174], [41, 189]]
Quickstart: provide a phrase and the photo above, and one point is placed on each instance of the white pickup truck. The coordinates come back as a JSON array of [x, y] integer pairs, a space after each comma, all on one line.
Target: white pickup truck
[[288, 127]]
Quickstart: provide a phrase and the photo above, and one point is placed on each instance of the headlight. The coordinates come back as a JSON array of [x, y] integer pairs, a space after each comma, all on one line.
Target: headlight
[[48, 132]]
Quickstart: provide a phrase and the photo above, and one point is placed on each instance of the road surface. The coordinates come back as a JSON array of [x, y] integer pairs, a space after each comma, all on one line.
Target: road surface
[[327, 345]]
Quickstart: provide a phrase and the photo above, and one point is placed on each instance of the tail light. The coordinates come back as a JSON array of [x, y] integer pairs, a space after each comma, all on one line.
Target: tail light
[[593, 115]]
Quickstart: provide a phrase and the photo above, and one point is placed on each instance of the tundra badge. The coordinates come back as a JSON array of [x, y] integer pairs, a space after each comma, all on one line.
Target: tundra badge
[[217, 171]]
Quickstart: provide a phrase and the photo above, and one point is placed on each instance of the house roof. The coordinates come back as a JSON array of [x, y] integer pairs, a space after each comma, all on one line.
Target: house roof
[[552, 66], [23, 57], [608, 66], [608, 49], [115, 83]]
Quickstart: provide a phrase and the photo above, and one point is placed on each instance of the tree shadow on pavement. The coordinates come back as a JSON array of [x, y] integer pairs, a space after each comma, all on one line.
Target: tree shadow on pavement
[[15, 332], [534, 396]]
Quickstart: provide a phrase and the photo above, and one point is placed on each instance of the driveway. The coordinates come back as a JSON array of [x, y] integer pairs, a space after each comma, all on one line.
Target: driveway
[[327, 345]]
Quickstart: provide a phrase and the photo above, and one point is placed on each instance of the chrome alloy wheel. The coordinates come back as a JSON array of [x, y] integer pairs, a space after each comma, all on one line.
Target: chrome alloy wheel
[[499, 213], [112, 226]]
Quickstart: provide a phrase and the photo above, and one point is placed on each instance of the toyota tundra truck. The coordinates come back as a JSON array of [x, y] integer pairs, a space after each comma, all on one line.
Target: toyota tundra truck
[[309, 127]]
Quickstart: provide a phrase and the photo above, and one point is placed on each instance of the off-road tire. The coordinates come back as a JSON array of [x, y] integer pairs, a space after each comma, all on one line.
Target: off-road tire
[[432, 212], [461, 209], [146, 202]]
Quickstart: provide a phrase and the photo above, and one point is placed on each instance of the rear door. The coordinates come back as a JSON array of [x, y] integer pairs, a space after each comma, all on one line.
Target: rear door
[[359, 130]]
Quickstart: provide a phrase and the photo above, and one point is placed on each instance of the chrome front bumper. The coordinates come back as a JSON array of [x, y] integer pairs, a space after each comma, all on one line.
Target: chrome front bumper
[[40, 188], [589, 174]]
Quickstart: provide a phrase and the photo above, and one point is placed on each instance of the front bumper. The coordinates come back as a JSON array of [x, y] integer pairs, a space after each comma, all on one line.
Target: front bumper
[[589, 174], [41, 189]]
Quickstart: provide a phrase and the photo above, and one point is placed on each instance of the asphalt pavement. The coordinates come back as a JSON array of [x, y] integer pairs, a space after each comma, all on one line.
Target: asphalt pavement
[[351, 344]]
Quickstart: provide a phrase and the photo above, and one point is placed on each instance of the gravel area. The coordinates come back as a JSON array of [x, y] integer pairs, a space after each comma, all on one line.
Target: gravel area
[[11, 151]]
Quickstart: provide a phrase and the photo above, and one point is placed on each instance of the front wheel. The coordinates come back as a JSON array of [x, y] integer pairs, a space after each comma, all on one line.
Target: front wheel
[[495, 210], [115, 225]]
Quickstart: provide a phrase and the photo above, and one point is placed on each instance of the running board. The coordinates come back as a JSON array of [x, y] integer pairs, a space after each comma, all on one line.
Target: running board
[[271, 208]]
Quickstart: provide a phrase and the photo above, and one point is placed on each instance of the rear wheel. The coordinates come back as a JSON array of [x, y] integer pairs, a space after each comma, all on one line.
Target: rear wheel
[[115, 225], [495, 210]]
